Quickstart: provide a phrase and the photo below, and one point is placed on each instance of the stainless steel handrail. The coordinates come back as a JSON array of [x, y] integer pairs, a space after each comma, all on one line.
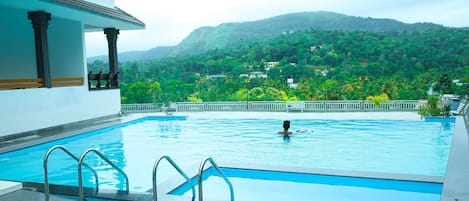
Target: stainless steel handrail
[[201, 170], [80, 178], [155, 167], [46, 173]]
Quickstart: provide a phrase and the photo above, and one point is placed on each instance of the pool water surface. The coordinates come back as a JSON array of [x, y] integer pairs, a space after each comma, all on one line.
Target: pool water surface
[[390, 146]]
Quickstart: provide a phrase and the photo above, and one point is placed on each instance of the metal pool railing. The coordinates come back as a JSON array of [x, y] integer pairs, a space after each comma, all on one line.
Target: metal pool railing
[[279, 106], [217, 168]]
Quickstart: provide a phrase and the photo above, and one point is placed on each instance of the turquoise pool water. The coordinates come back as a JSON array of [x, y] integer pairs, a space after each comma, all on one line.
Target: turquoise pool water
[[391, 146], [280, 186]]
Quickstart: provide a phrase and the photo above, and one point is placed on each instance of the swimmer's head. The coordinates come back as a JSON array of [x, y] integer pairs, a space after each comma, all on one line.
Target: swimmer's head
[[286, 124]]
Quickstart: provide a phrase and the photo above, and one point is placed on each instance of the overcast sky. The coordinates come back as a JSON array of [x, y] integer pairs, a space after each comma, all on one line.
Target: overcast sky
[[168, 22]]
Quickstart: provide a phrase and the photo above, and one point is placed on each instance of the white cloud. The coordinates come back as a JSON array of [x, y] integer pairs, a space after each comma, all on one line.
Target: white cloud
[[168, 22]]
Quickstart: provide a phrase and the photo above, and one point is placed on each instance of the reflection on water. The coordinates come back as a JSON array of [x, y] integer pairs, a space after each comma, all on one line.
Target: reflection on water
[[286, 138], [168, 129]]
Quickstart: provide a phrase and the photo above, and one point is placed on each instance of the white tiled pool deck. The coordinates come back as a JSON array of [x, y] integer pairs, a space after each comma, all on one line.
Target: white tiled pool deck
[[8, 187]]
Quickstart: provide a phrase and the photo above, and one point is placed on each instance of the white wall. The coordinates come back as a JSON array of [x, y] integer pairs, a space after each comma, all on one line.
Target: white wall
[[23, 110], [17, 53], [17, 49], [66, 53], [31, 109]]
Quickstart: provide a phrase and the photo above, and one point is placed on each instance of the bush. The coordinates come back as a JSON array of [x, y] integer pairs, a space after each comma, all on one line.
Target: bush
[[432, 108]]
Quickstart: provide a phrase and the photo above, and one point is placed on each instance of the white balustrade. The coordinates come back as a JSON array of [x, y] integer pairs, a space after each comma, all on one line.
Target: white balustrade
[[280, 106]]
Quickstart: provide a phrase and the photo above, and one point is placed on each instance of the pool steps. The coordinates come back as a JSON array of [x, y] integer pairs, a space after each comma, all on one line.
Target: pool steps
[[175, 166], [46, 173], [200, 178], [119, 194], [81, 163], [80, 178], [59, 192]]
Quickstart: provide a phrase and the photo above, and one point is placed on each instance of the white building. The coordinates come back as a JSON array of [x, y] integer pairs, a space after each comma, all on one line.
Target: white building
[[257, 74], [43, 74], [291, 83]]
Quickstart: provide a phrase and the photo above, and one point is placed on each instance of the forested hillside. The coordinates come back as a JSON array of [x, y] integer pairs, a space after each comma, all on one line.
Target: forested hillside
[[227, 34], [325, 65]]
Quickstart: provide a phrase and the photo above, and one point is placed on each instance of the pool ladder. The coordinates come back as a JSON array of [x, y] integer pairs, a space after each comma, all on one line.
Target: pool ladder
[[200, 176], [80, 174], [201, 170], [155, 168]]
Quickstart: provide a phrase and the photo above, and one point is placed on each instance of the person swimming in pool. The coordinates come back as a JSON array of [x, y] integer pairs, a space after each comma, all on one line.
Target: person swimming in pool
[[286, 126]]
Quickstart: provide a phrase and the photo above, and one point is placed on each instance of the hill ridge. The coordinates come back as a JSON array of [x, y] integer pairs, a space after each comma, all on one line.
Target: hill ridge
[[207, 38]]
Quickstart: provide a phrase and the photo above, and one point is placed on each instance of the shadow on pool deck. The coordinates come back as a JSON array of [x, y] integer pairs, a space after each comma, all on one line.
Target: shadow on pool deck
[[456, 180]]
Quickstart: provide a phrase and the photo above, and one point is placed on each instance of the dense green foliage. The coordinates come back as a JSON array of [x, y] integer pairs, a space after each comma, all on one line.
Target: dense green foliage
[[326, 65]]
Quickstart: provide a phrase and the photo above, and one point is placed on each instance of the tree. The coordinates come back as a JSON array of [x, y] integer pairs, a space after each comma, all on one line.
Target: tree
[[400, 64], [139, 92], [444, 85], [274, 73], [156, 90], [377, 100]]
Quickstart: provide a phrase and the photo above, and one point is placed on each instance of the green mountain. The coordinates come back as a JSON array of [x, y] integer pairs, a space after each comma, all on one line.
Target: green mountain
[[226, 34]]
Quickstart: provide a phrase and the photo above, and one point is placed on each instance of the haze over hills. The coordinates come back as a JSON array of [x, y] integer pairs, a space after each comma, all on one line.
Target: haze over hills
[[153, 53], [226, 34]]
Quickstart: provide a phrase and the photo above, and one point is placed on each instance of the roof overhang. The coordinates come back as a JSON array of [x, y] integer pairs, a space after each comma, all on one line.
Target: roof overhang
[[95, 17]]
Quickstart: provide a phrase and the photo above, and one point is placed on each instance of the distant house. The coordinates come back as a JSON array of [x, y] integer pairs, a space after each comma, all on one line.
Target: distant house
[[44, 81], [324, 72], [271, 64], [257, 74], [291, 83], [320, 70], [314, 48], [243, 75], [216, 76]]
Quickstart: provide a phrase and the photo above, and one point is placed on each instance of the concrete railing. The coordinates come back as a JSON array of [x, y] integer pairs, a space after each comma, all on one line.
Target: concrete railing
[[141, 107], [280, 106]]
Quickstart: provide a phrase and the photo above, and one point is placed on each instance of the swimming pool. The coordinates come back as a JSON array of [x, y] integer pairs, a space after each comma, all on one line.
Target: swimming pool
[[391, 146]]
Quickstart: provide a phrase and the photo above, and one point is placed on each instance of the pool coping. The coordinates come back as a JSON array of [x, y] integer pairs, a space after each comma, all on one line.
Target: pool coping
[[456, 179], [27, 139]]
